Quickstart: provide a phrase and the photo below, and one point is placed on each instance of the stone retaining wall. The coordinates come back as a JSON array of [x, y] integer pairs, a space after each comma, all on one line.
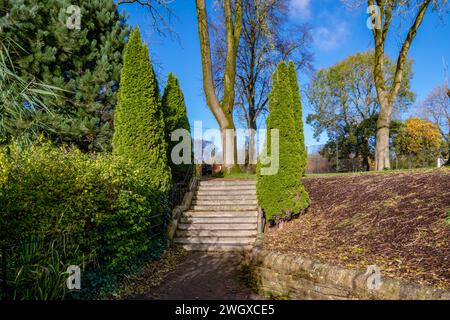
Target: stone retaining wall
[[302, 279]]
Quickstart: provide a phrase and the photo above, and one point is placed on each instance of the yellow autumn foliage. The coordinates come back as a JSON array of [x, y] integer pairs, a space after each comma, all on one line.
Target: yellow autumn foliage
[[418, 134]]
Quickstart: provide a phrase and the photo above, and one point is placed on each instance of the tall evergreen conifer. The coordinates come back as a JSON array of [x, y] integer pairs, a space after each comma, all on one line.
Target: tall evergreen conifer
[[283, 192], [175, 117], [298, 114], [139, 124]]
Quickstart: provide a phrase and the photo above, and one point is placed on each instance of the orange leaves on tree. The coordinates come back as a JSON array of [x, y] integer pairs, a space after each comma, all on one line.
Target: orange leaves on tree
[[418, 134]]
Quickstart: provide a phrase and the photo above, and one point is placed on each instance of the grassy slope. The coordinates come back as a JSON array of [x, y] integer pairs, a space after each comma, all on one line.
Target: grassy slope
[[396, 220], [346, 174]]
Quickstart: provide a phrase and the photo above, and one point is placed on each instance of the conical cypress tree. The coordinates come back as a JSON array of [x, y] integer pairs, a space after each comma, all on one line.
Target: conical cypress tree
[[139, 124], [283, 192], [298, 114], [175, 117]]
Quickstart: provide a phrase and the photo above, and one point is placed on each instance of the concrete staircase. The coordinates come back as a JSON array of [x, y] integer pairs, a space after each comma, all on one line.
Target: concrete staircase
[[223, 217]]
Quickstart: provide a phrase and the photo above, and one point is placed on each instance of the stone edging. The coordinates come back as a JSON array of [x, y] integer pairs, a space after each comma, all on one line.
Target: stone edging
[[294, 277], [260, 229], [178, 210]]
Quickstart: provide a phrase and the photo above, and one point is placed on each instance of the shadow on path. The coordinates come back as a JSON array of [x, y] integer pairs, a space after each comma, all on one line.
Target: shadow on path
[[205, 276]]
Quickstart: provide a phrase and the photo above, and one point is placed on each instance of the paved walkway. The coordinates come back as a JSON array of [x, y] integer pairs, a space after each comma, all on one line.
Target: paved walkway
[[205, 276]]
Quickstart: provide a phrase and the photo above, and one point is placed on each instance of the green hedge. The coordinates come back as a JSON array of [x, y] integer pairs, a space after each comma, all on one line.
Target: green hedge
[[47, 191]]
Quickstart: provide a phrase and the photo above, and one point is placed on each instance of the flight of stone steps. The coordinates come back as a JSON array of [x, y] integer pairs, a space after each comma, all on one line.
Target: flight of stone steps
[[223, 217]]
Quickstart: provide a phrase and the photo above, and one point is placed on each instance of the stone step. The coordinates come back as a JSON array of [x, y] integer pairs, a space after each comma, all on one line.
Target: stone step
[[216, 240], [223, 217], [216, 233], [226, 192], [216, 247], [221, 202], [222, 197], [216, 220], [226, 188], [217, 226], [228, 183], [223, 214], [225, 208]]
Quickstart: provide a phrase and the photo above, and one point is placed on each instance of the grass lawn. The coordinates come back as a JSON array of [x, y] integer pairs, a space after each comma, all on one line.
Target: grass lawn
[[249, 176], [345, 174]]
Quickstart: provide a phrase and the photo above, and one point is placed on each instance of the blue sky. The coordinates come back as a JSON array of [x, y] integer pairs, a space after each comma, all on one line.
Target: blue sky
[[337, 32]]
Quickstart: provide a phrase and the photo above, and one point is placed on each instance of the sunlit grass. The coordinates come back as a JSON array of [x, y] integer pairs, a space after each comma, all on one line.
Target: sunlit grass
[[249, 176], [346, 174]]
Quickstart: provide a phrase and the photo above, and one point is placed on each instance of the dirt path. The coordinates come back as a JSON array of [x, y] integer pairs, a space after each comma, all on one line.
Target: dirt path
[[210, 276]]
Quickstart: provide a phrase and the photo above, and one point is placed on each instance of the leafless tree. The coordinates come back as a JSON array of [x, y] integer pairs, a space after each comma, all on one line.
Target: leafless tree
[[222, 108], [159, 11], [436, 108], [267, 38]]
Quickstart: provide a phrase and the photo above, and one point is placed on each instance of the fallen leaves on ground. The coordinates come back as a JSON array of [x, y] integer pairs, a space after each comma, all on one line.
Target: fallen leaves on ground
[[396, 221], [152, 274]]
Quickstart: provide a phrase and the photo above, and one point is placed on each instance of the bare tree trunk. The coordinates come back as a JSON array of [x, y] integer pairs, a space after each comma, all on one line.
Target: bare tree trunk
[[252, 150], [387, 97], [366, 163], [223, 112], [448, 142], [382, 159], [365, 155]]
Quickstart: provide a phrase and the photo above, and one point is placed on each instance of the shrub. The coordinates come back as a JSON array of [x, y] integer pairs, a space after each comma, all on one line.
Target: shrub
[[283, 192], [103, 200], [138, 120], [175, 117], [36, 268]]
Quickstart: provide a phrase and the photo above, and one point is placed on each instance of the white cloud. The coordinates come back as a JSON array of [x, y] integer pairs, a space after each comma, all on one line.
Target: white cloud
[[329, 38], [331, 30], [301, 8]]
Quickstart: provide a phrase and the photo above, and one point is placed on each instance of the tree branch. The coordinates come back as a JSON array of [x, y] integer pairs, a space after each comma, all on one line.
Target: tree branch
[[208, 81], [159, 11], [405, 48]]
